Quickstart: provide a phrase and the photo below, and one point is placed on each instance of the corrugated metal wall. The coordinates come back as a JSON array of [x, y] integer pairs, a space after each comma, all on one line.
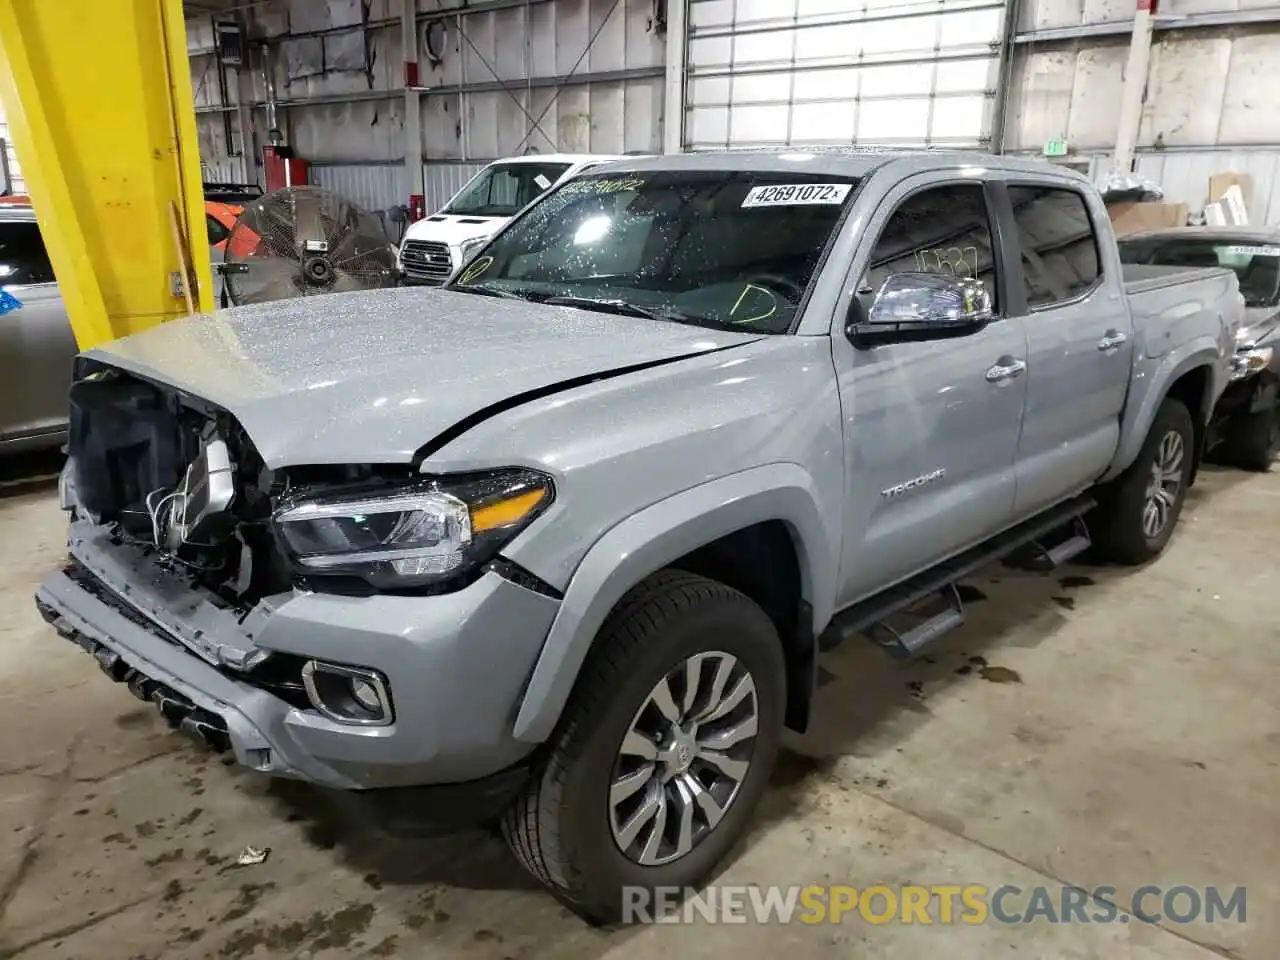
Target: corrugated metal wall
[[381, 186], [224, 170], [367, 186], [511, 76]]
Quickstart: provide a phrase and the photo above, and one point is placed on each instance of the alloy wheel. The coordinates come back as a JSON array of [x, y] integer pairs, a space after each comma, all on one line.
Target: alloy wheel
[[1164, 485], [683, 759]]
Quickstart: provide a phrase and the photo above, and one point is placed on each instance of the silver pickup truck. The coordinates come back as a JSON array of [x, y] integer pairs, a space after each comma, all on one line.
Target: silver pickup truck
[[558, 544]]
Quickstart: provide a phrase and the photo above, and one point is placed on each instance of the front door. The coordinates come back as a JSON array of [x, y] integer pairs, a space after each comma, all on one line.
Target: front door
[[931, 429], [1079, 342]]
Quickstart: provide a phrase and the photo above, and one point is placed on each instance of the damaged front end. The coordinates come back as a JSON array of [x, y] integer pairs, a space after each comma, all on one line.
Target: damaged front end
[[168, 473], [170, 511]]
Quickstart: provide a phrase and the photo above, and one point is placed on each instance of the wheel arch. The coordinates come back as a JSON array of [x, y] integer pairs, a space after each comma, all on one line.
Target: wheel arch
[[1189, 374], [773, 507]]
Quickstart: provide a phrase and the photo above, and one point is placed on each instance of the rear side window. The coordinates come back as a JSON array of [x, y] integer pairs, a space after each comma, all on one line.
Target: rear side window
[[22, 255], [1058, 244]]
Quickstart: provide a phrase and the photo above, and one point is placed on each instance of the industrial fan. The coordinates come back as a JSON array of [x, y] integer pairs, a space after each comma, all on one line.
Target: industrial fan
[[301, 242]]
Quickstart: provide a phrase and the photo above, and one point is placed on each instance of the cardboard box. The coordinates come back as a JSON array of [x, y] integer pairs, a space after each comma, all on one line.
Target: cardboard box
[[1129, 218], [1220, 183]]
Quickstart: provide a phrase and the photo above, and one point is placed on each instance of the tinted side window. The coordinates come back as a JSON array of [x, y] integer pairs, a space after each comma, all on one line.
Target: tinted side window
[[1058, 244], [942, 229], [22, 256]]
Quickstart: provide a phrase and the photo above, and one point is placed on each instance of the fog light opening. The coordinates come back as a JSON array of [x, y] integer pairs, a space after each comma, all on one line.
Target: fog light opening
[[366, 695], [350, 695]]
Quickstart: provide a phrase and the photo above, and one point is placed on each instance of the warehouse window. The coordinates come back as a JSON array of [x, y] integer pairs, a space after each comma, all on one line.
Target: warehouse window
[[22, 255], [943, 229], [1059, 247]]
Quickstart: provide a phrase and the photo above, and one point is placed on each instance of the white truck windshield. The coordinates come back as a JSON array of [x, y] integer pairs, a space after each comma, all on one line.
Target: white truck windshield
[[503, 189]]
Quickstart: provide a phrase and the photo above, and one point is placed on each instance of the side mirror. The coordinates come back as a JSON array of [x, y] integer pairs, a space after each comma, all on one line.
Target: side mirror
[[921, 306], [467, 251], [471, 247]]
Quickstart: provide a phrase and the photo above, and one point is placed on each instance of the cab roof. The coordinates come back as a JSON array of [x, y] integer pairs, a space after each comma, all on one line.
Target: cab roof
[[559, 158], [840, 161]]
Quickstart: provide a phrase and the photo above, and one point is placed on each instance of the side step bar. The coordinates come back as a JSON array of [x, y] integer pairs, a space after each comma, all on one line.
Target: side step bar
[[1037, 544]]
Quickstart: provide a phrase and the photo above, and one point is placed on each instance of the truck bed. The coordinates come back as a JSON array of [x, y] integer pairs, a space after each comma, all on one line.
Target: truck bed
[[1143, 277]]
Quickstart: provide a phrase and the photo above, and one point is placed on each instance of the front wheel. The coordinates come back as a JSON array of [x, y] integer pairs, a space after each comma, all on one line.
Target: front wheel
[[662, 753], [1140, 508]]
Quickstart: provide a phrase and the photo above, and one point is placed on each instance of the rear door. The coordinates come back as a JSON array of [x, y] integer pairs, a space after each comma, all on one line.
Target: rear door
[[36, 343], [1079, 341], [931, 429]]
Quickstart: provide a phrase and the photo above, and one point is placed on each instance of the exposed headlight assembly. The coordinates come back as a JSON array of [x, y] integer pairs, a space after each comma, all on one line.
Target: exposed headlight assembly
[[412, 536], [1246, 363]]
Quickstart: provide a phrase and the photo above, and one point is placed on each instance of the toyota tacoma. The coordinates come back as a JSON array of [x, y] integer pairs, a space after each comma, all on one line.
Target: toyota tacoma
[[557, 544]]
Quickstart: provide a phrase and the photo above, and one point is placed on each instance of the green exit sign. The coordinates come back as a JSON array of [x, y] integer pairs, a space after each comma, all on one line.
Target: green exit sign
[[1055, 148]]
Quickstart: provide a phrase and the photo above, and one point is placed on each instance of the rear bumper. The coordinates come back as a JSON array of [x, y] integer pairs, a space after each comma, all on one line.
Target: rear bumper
[[456, 667]]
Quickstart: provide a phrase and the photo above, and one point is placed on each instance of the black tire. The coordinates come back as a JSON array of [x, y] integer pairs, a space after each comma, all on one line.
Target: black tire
[[1117, 525], [1253, 439], [559, 827]]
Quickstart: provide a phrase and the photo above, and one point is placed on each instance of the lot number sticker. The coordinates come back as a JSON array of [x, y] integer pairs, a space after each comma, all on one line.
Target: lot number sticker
[[797, 194], [1252, 251]]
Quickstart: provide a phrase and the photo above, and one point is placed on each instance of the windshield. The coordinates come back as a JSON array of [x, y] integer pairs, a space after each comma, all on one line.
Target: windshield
[[504, 189], [1256, 265], [731, 250]]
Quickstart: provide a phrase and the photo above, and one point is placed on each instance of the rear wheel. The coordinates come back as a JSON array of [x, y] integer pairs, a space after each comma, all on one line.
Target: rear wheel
[[1140, 508], [663, 751]]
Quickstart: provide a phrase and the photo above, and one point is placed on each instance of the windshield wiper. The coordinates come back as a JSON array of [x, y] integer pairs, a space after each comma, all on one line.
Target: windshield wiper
[[623, 308], [490, 292]]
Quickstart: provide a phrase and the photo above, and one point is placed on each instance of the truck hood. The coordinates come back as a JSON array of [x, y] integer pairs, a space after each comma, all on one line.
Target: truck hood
[[372, 376], [453, 230], [1259, 325]]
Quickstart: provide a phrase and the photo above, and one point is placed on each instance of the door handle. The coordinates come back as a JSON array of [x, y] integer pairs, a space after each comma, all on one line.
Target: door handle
[[1006, 368], [1112, 339]]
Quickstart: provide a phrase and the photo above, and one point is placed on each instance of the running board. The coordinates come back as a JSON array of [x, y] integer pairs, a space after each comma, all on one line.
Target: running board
[[870, 617], [901, 644], [1044, 555]]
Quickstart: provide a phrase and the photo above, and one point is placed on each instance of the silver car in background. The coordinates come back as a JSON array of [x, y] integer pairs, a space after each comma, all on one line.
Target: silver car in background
[[1245, 430], [36, 342]]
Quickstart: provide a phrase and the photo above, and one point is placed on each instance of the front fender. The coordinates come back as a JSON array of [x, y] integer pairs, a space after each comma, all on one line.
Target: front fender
[[651, 539], [1150, 385]]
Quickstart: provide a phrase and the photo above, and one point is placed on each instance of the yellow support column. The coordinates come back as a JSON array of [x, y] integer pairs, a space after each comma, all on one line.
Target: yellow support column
[[99, 103]]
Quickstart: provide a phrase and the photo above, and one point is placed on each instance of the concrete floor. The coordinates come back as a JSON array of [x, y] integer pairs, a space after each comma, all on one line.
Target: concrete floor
[[1097, 727]]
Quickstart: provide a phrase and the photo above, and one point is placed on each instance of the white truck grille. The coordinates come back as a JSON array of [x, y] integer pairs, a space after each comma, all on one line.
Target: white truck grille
[[426, 262]]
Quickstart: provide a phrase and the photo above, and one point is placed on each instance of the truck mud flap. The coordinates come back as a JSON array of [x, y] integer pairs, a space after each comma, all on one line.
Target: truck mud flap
[[1039, 544]]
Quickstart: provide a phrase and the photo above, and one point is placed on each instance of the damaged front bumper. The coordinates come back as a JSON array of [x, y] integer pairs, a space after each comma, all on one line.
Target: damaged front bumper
[[455, 665]]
